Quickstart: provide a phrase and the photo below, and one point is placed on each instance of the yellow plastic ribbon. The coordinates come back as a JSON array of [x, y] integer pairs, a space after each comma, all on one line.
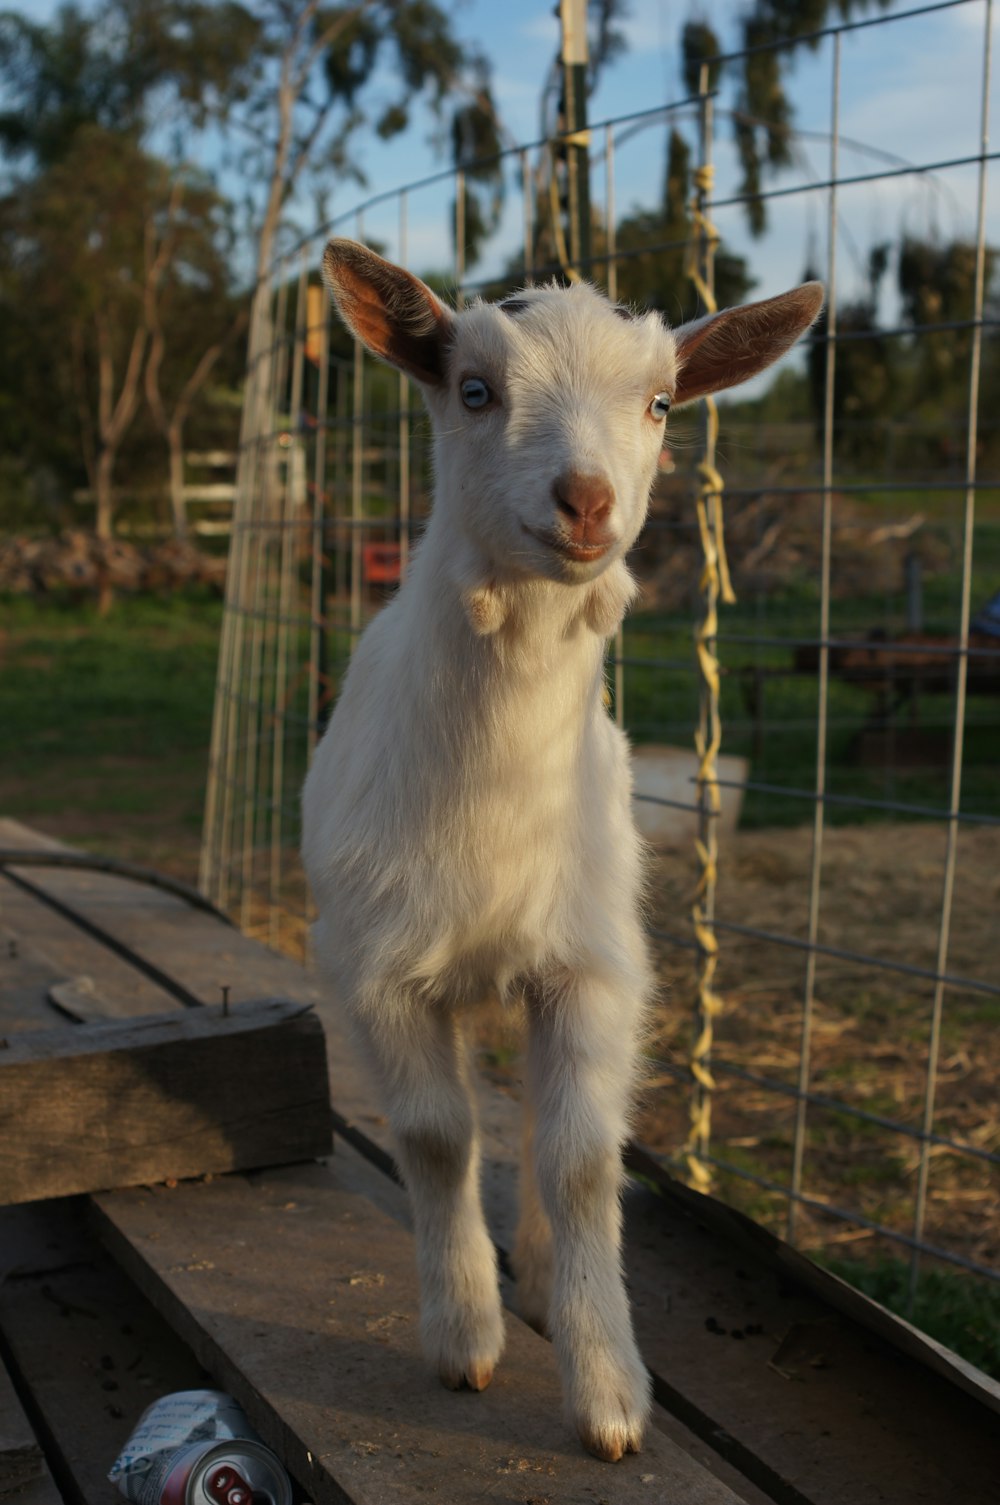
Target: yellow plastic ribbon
[[715, 584]]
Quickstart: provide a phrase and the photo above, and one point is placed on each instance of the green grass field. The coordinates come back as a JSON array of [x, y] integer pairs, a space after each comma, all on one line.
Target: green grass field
[[106, 721]]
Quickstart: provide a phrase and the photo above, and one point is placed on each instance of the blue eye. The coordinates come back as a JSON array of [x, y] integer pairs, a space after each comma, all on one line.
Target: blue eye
[[660, 405], [475, 392]]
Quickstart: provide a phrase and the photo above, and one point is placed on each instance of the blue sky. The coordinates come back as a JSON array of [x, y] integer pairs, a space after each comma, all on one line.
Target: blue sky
[[910, 92]]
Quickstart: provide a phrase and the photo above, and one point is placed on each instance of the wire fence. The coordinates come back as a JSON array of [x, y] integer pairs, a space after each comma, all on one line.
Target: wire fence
[[817, 761]]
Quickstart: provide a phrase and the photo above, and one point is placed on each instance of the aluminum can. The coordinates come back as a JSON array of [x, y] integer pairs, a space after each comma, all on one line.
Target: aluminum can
[[197, 1447]]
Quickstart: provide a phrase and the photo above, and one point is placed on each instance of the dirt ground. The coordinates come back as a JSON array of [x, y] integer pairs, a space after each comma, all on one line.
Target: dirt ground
[[881, 897]]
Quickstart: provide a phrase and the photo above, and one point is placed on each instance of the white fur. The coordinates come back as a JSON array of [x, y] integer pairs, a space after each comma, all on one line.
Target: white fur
[[468, 837]]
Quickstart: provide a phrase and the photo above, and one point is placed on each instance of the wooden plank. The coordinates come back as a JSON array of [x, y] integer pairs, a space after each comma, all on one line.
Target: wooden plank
[[90, 1352], [24, 1471], [21, 1459], [193, 943], [804, 1395], [174, 1095], [33, 1242], [355, 1173], [300, 1297], [79, 1000], [67, 951], [33, 983], [25, 977]]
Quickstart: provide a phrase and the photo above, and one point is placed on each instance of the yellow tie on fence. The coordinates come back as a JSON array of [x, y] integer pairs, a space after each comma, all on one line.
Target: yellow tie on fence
[[715, 584]]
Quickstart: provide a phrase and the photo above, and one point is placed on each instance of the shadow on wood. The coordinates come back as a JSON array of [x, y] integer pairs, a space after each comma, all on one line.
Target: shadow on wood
[[174, 1095]]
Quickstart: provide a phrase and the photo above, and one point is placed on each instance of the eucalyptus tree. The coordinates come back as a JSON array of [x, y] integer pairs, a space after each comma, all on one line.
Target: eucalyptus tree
[[125, 250]]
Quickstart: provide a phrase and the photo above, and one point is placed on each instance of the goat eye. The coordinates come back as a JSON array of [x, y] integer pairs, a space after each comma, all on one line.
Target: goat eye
[[660, 405], [475, 392]]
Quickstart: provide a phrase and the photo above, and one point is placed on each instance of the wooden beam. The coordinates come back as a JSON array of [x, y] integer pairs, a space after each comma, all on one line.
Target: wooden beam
[[21, 1460], [123, 1104], [49, 948], [89, 1352]]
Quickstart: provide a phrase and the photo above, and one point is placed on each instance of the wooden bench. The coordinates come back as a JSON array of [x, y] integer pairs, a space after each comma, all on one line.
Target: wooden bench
[[295, 1289]]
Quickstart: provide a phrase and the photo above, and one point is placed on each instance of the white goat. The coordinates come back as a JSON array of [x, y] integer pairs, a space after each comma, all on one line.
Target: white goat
[[468, 834]]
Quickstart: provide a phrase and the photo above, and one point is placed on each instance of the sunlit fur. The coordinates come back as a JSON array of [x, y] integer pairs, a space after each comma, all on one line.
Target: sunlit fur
[[468, 836]]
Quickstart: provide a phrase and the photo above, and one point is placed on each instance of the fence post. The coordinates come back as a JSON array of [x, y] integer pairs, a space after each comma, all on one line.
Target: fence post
[[823, 668], [576, 140], [962, 666]]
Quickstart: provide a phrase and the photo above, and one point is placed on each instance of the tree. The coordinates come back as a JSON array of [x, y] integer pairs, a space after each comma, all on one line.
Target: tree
[[289, 83], [192, 298], [867, 380], [100, 231], [98, 240], [771, 32], [307, 88], [81, 257], [653, 246], [918, 380], [58, 78]]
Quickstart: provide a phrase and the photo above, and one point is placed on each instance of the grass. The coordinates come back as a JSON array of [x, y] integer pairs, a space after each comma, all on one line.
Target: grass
[[107, 721]]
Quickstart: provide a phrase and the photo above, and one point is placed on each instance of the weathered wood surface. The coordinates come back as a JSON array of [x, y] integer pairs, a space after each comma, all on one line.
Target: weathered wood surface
[[62, 950], [796, 1438], [21, 1460], [25, 1478], [116, 1104], [830, 1408], [301, 1297], [30, 980], [24, 981], [79, 999], [87, 1345]]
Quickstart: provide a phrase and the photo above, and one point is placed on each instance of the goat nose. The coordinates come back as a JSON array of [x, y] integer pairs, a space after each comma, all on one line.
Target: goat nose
[[583, 499]]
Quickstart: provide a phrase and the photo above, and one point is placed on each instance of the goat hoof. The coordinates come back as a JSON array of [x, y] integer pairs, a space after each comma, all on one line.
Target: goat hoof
[[611, 1442], [612, 1404], [478, 1376], [475, 1375]]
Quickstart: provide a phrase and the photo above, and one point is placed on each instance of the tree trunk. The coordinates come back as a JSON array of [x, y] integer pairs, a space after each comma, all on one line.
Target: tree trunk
[[103, 473], [104, 494], [175, 441]]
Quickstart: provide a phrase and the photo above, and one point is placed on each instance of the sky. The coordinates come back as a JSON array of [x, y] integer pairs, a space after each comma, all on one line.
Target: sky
[[910, 93]]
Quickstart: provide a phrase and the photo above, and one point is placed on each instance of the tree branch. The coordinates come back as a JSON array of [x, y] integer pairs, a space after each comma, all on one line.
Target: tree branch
[[327, 37]]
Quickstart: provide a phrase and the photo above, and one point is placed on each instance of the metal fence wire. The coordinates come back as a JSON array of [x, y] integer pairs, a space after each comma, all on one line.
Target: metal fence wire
[[816, 748]]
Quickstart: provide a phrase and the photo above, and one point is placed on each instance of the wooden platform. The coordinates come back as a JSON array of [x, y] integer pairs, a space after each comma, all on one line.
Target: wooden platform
[[294, 1288]]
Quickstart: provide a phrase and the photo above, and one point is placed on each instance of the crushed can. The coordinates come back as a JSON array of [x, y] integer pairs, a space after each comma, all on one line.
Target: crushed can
[[197, 1447]]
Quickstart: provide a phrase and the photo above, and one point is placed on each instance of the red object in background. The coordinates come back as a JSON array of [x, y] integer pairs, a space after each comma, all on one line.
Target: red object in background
[[380, 562]]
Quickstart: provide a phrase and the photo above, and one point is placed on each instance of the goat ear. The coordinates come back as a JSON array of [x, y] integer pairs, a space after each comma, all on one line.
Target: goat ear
[[724, 349], [390, 311]]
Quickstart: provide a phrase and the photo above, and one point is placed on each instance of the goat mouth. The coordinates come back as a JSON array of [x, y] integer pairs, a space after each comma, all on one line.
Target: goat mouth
[[579, 553]]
